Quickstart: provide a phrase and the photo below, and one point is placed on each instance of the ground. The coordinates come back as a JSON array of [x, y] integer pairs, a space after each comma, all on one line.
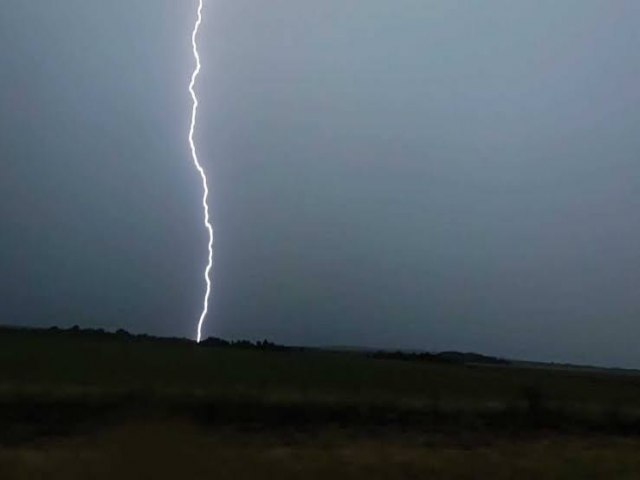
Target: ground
[[94, 406], [177, 450]]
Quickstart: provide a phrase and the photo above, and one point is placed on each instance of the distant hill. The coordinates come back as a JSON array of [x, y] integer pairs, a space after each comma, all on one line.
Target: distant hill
[[447, 357], [442, 357], [122, 334], [470, 357]]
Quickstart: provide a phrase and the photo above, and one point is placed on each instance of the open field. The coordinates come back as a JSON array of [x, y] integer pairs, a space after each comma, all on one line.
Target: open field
[[176, 450], [71, 403]]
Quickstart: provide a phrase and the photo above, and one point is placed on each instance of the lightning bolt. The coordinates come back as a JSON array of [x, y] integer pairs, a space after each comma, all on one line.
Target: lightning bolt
[[203, 176]]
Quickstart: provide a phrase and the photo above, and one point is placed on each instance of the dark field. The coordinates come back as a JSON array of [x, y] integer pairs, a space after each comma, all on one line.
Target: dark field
[[77, 405]]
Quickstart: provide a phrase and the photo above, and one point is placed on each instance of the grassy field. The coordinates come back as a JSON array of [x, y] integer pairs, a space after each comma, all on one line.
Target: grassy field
[[70, 404], [177, 450]]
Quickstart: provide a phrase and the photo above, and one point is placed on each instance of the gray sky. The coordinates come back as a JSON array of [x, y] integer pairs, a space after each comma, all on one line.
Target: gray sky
[[433, 174]]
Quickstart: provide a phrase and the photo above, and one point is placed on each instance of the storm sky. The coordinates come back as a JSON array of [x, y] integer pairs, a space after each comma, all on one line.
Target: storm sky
[[432, 174]]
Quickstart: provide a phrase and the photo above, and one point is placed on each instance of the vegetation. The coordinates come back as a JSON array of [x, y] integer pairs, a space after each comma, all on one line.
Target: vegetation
[[181, 451], [311, 408], [442, 357]]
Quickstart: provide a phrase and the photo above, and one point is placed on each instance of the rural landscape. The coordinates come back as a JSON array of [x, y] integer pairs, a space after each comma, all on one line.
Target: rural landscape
[[81, 404], [320, 240]]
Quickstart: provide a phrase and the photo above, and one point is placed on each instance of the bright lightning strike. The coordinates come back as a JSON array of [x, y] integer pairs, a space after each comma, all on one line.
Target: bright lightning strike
[[203, 176]]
